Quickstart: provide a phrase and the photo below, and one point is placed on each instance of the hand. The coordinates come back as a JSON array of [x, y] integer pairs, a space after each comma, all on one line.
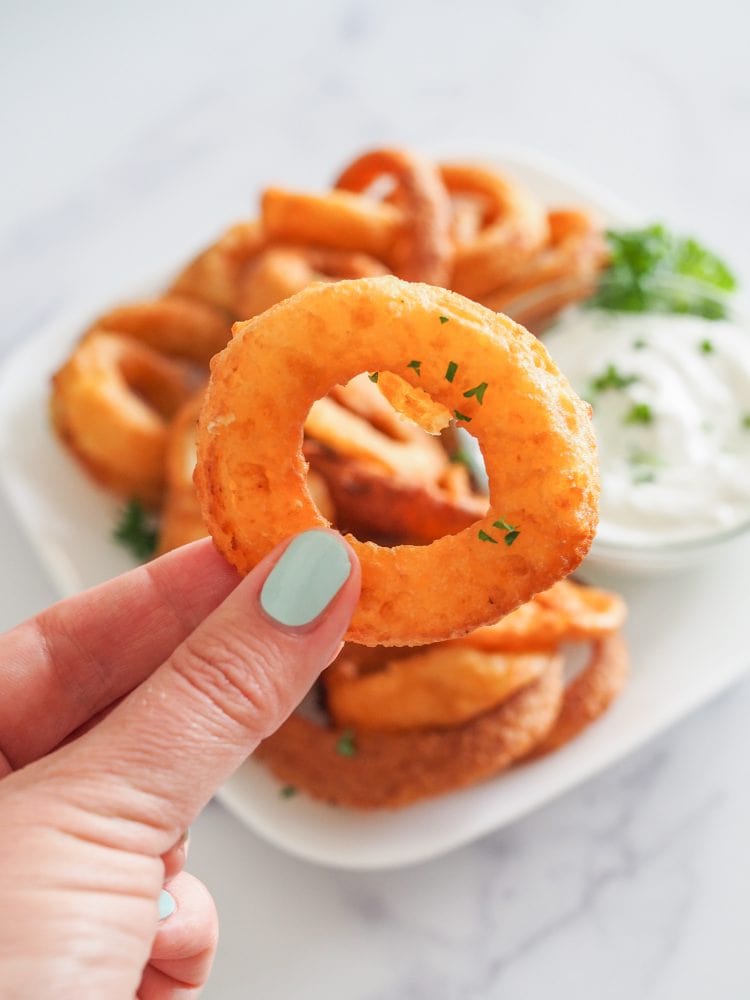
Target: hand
[[121, 711]]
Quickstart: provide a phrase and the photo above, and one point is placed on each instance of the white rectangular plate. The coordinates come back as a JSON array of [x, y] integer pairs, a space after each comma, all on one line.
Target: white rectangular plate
[[684, 631]]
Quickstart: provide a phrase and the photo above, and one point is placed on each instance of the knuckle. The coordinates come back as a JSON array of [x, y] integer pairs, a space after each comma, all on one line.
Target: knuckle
[[236, 674]]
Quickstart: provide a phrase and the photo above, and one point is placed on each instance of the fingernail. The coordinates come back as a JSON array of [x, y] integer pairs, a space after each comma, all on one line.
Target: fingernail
[[167, 904], [312, 570]]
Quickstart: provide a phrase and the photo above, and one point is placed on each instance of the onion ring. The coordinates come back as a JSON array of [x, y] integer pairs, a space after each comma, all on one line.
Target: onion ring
[[111, 405], [423, 249], [515, 228], [181, 520], [388, 770], [175, 324], [435, 688], [535, 432], [215, 274], [279, 272]]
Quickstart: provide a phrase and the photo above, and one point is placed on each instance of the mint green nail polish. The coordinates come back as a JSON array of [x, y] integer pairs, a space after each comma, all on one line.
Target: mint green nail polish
[[167, 905], [312, 570]]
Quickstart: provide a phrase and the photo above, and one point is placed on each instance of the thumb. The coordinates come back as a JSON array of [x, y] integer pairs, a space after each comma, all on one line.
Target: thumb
[[161, 754]]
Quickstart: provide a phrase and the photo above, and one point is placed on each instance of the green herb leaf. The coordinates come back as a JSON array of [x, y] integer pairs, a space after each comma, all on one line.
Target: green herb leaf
[[478, 391], [653, 270], [461, 458], [416, 366], [639, 344], [287, 792], [745, 421], [511, 537], [461, 416], [639, 413], [443, 319], [503, 525], [136, 530], [374, 376], [707, 347], [511, 532], [484, 537], [450, 373], [611, 378], [345, 744]]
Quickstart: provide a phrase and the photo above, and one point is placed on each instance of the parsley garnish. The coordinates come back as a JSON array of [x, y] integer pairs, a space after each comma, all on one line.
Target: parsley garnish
[[653, 270], [745, 421], [287, 792], [707, 347], [478, 391], [511, 532], [450, 373], [612, 379], [461, 416], [484, 537], [345, 744], [136, 530], [416, 366], [639, 413], [374, 376], [443, 319]]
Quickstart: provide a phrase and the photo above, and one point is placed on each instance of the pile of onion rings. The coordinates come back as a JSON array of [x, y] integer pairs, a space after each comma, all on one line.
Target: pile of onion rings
[[378, 461]]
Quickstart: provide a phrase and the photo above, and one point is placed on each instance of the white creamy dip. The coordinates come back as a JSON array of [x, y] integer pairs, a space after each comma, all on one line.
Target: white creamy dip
[[671, 398]]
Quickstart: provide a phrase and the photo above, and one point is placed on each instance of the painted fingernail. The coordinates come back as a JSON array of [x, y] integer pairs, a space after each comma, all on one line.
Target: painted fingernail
[[167, 904], [312, 570]]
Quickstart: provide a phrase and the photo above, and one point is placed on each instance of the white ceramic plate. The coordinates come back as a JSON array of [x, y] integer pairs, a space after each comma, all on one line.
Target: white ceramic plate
[[684, 631]]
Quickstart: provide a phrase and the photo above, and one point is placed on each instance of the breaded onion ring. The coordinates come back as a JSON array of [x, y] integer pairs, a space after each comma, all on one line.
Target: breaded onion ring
[[535, 434], [423, 250], [387, 770], [175, 324], [337, 219], [515, 227], [279, 272], [589, 694], [434, 688], [564, 271], [111, 405], [214, 275]]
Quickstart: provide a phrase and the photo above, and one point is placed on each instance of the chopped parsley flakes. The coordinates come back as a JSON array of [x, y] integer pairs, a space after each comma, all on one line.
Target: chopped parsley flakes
[[345, 744], [706, 347], [416, 365], [478, 391], [443, 319], [450, 373], [374, 376], [461, 416], [639, 413], [611, 378]]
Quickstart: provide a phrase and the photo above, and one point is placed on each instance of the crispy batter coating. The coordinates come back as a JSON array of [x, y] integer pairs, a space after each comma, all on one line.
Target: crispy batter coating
[[535, 434], [181, 520], [388, 770], [111, 405]]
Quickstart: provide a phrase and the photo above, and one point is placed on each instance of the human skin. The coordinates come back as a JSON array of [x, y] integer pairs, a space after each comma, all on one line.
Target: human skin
[[121, 711]]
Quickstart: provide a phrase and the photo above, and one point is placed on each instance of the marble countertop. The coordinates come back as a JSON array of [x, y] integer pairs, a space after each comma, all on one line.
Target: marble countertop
[[134, 133]]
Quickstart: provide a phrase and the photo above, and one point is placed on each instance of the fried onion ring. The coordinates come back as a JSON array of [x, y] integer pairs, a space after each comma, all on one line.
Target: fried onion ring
[[423, 249], [388, 770], [111, 405], [515, 227], [535, 434], [214, 275], [181, 520], [434, 688], [282, 271], [175, 324]]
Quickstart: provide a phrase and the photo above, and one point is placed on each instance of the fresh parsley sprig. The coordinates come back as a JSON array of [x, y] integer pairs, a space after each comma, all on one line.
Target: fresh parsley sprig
[[136, 530]]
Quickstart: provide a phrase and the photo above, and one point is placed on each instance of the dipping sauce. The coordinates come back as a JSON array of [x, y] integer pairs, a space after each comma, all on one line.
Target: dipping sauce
[[671, 398]]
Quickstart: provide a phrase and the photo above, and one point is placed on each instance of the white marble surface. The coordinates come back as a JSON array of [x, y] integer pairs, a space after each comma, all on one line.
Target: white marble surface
[[132, 133]]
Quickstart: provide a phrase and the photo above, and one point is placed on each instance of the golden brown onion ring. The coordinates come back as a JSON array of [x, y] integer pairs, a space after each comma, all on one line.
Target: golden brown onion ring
[[534, 431], [388, 770], [423, 248], [111, 405], [514, 228]]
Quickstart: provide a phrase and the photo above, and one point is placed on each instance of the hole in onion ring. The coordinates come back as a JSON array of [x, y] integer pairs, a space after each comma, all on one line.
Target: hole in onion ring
[[376, 474]]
